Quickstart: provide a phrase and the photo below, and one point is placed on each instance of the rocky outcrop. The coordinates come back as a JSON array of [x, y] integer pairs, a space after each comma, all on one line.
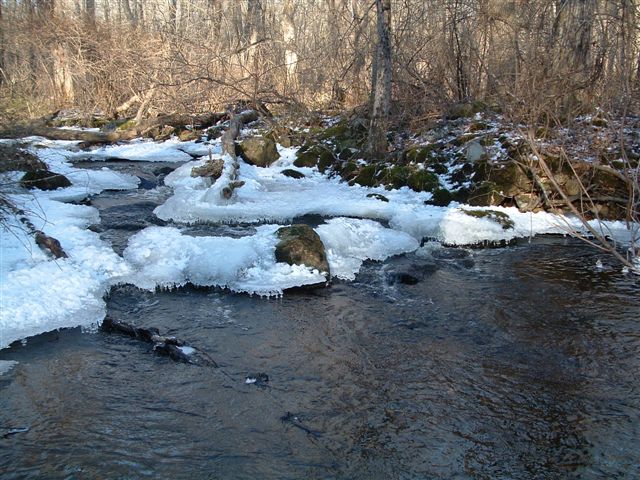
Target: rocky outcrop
[[301, 245], [44, 180], [259, 151]]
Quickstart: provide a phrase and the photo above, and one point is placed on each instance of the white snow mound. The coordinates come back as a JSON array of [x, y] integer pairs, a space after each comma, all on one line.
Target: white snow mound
[[40, 294]]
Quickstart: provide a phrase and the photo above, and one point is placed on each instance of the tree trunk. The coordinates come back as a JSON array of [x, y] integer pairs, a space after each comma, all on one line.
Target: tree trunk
[[2, 74], [289, 38], [381, 84], [229, 148]]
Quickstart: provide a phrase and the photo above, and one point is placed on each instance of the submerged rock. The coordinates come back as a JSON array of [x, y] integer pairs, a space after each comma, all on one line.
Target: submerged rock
[[44, 180], [163, 345], [259, 151], [301, 245], [257, 379]]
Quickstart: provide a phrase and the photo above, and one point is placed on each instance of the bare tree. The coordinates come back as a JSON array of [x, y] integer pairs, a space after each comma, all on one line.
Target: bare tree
[[381, 83]]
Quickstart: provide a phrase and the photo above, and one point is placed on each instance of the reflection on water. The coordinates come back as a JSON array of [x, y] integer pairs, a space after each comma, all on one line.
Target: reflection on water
[[515, 363]]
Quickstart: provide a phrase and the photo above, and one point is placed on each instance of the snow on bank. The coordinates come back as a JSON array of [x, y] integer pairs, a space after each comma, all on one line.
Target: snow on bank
[[145, 150], [84, 182], [39, 294], [269, 196]]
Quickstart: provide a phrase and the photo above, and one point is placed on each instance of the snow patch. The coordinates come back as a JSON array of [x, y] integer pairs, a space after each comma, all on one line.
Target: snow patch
[[39, 294], [348, 242], [6, 366], [164, 257]]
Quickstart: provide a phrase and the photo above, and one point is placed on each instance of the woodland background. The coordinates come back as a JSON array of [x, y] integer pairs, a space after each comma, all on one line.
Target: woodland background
[[532, 58]]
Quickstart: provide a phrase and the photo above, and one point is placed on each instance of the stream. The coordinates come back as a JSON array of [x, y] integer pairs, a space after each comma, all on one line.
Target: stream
[[520, 362]]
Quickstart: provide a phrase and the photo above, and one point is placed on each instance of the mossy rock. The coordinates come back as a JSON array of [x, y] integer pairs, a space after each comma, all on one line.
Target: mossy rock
[[164, 133], [477, 127], [339, 130], [44, 180], [423, 181], [487, 141], [438, 168], [599, 122], [460, 176], [310, 156], [126, 125], [189, 135], [500, 218], [14, 158], [215, 132], [367, 176], [343, 136], [259, 151], [485, 194], [210, 169], [465, 110], [301, 245], [289, 172], [378, 196], [441, 198], [397, 177], [348, 170], [307, 158], [418, 154], [461, 195], [510, 179], [326, 161], [346, 154]]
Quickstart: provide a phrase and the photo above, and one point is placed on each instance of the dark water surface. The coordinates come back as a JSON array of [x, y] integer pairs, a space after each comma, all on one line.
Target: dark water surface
[[514, 363]]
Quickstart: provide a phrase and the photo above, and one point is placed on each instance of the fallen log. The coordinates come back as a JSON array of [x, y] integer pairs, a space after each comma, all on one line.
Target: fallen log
[[40, 128], [163, 345]]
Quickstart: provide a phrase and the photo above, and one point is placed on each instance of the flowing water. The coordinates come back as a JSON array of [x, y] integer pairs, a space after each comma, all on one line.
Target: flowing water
[[513, 363]]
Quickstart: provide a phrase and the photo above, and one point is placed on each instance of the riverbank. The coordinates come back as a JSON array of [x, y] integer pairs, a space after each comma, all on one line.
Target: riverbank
[[285, 175]]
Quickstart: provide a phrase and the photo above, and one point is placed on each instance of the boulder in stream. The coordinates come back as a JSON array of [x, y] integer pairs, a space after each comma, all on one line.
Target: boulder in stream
[[259, 151], [44, 180], [301, 245]]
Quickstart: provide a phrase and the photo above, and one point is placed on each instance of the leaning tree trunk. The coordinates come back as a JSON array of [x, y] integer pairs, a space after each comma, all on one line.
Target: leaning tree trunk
[[229, 148], [381, 84]]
